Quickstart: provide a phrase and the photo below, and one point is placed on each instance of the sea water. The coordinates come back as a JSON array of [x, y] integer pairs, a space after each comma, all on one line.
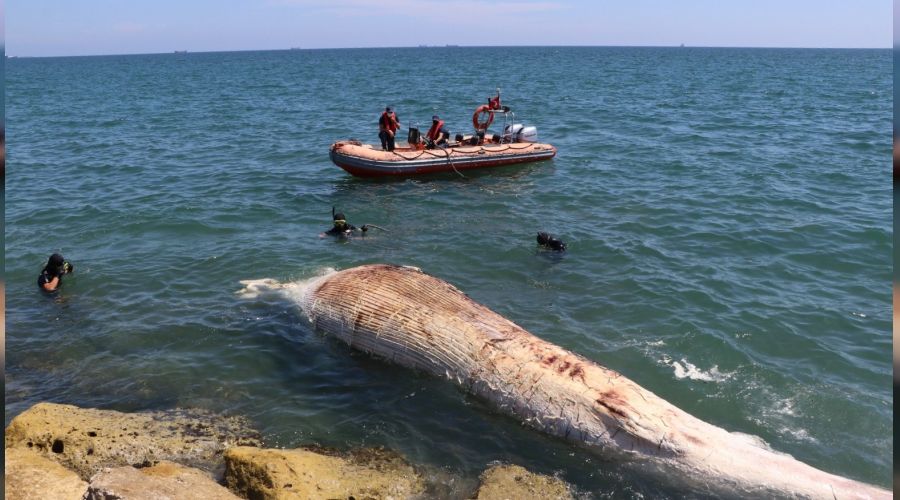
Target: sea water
[[727, 214]]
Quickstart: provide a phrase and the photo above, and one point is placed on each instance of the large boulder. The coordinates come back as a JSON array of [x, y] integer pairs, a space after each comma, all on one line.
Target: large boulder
[[29, 475], [320, 474], [511, 482], [165, 480], [87, 440]]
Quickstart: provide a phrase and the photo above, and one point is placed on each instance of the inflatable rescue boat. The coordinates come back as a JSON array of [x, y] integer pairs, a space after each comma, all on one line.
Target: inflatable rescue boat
[[366, 160], [517, 144]]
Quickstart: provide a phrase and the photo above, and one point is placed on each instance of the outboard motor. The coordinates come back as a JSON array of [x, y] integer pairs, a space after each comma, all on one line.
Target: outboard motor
[[510, 131], [527, 134], [517, 132], [414, 137]]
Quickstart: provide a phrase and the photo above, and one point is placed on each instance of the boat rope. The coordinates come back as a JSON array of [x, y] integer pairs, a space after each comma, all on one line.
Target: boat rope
[[510, 146], [449, 151], [480, 150], [409, 159], [452, 165]]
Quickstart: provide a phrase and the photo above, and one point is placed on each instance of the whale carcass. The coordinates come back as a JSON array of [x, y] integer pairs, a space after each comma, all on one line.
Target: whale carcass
[[418, 321]]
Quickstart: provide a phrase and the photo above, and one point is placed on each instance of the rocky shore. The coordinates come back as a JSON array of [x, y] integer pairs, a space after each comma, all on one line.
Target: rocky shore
[[58, 451]]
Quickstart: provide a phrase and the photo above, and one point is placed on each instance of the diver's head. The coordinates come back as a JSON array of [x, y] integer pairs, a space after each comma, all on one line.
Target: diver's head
[[56, 260], [339, 220], [543, 238], [56, 265]]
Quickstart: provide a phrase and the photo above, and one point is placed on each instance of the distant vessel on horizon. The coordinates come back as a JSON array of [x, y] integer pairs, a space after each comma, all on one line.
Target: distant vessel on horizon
[[296, 48], [181, 52]]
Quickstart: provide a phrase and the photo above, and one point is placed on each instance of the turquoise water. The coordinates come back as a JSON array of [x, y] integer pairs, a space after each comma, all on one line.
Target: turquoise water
[[727, 212]]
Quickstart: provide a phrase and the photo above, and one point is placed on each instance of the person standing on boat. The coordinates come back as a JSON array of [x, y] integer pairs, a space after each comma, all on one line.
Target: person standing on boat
[[388, 125], [438, 134]]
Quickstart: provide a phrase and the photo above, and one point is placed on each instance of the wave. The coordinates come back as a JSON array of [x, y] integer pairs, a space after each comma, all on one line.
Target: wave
[[684, 369]]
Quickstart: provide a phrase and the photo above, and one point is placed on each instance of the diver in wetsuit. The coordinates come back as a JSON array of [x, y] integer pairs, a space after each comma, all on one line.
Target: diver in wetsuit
[[342, 227], [548, 241], [50, 278]]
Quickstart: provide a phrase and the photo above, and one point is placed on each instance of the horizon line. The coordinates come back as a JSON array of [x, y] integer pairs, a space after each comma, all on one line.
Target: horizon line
[[453, 46]]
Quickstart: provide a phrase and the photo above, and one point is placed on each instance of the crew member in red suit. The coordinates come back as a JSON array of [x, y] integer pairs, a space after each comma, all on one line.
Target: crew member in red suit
[[438, 134], [388, 125]]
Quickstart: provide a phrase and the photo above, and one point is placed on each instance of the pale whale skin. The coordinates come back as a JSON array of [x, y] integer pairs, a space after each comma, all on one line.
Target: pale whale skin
[[421, 322]]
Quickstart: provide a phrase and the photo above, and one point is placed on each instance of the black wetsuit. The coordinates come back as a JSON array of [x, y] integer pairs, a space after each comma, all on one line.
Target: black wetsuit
[[548, 241], [341, 231], [557, 245], [46, 277]]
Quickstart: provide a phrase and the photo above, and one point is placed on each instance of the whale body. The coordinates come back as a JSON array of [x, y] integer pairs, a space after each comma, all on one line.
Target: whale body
[[418, 321]]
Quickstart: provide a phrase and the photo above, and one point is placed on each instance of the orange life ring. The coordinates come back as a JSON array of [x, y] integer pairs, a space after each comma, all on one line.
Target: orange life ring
[[484, 108]]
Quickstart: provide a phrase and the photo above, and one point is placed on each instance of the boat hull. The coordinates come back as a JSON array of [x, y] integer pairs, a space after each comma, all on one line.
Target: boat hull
[[364, 160]]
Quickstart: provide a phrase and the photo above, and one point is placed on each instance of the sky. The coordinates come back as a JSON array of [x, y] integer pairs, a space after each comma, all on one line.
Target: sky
[[92, 27]]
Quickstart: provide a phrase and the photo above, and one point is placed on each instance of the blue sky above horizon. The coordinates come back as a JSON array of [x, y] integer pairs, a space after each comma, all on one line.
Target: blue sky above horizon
[[90, 27]]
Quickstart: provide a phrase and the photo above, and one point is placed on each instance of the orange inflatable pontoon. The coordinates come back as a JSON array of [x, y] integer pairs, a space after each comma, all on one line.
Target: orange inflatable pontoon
[[517, 144], [366, 160]]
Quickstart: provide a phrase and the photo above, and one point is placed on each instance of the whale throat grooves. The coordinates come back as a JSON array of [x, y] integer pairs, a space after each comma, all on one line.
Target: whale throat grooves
[[418, 321]]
